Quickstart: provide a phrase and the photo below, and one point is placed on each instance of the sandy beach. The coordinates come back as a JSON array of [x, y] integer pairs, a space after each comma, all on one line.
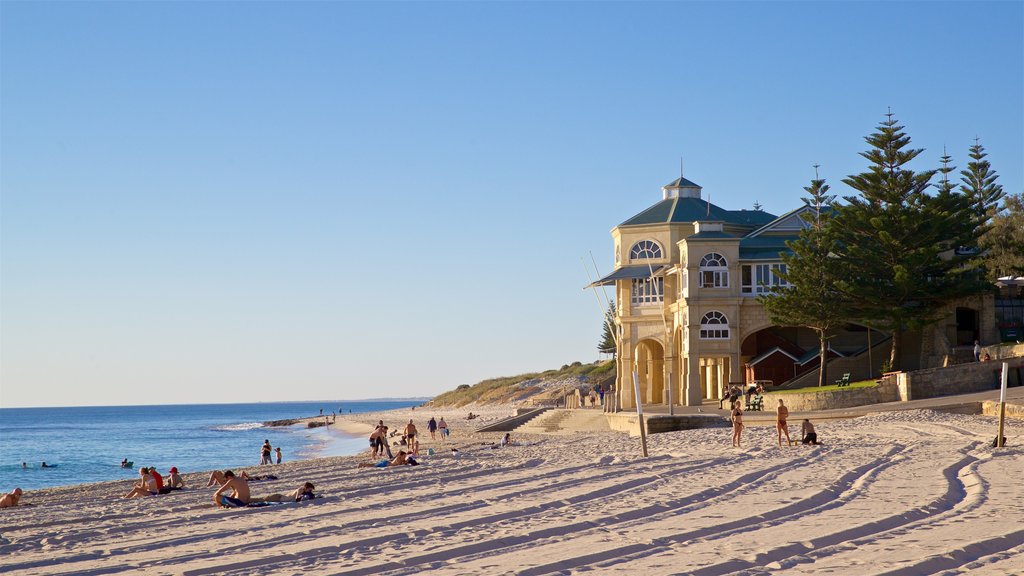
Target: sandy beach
[[913, 492]]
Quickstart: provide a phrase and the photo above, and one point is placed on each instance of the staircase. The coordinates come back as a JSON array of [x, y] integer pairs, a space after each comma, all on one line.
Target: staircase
[[561, 421]]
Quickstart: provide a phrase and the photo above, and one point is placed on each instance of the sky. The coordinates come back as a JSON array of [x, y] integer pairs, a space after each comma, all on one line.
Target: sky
[[221, 201]]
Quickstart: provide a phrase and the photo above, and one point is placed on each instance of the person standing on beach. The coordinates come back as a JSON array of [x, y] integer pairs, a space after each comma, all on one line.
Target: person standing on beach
[[410, 436], [278, 450], [239, 492], [432, 427], [781, 415], [265, 452], [443, 427], [737, 424]]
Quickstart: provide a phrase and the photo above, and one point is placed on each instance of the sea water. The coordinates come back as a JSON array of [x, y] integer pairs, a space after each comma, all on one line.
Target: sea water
[[87, 444]]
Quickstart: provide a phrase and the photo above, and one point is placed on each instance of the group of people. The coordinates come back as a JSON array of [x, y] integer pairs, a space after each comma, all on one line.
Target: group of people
[[380, 446], [733, 392], [151, 483], [810, 436], [265, 453]]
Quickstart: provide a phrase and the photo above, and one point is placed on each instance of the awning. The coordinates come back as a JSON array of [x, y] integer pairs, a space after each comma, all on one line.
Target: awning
[[627, 273]]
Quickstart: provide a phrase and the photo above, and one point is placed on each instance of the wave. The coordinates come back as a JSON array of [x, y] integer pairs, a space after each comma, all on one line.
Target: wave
[[238, 427]]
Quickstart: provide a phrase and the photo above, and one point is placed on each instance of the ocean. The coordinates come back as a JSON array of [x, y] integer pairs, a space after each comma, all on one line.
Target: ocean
[[87, 444]]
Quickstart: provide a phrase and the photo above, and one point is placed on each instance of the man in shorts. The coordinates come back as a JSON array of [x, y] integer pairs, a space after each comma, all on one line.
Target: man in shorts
[[781, 415], [239, 497], [410, 435]]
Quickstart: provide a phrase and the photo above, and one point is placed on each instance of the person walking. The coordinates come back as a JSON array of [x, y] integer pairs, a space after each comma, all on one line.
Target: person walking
[[443, 427], [781, 415], [432, 427]]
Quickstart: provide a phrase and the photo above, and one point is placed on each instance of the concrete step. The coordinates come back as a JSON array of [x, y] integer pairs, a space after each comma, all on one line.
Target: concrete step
[[561, 421]]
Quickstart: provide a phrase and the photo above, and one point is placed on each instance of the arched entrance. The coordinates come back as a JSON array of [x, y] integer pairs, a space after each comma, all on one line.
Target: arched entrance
[[967, 324], [649, 360]]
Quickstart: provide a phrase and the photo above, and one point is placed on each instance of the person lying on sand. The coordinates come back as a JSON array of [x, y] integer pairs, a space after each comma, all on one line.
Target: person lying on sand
[[239, 488], [258, 478], [401, 459], [10, 499], [304, 492], [146, 486]]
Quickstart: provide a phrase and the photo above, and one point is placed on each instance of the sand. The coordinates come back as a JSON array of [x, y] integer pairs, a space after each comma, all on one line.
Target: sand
[[914, 492]]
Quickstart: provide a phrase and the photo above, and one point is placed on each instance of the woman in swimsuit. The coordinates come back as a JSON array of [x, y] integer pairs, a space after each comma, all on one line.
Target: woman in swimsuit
[[737, 423]]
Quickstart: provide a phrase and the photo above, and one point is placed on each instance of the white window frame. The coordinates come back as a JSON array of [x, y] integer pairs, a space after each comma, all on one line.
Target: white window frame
[[645, 250], [714, 326], [714, 271], [645, 292], [763, 278]]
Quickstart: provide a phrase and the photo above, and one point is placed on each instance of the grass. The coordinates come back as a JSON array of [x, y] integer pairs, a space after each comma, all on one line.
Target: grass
[[499, 389], [861, 384]]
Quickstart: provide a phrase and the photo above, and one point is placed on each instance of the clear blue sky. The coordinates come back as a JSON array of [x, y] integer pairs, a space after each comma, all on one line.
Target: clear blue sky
[[325, 200]]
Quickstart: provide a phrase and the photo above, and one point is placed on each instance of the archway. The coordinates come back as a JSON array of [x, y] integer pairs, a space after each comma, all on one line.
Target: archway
[[967, 324], [649, 359]]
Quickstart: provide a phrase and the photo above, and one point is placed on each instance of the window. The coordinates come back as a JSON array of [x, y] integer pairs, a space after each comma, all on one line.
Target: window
[[714, 326], [645, 250], [647, 291], [714, 271], [762, 278]]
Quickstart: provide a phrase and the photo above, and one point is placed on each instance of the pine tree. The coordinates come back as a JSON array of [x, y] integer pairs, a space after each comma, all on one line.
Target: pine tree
[[811, 300], [607, 344], [1003, 244], [980, 188], [896, 242]]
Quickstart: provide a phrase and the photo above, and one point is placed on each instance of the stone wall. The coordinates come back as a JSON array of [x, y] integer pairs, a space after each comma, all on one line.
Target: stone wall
[[627, 422], [831, 399], [960, 379], [991, 408]]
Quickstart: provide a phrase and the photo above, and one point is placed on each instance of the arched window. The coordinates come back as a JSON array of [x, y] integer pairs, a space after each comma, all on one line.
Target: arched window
[[714, 271], [645, 250], [714, 326]]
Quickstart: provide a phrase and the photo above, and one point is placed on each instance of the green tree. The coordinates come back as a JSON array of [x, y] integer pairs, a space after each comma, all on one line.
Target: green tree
[[980, 188], [897, 242], [1003, 243], [607, 344], [811, 299]]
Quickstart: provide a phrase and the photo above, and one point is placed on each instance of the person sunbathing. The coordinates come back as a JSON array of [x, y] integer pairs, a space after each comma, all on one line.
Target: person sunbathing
[[10, 499], [239, 488], [304, 492], [258, 478], [217, 477], [146, 486], [401, 459], [174, 480]]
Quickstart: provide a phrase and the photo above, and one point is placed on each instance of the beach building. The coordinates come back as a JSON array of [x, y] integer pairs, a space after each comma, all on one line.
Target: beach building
[[687, 274]]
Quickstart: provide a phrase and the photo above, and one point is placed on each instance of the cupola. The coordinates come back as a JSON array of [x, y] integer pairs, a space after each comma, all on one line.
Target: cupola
[[680, 188]]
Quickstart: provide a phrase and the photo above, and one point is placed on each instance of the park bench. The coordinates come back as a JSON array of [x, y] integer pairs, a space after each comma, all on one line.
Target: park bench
[[844, 381], [756, 403]]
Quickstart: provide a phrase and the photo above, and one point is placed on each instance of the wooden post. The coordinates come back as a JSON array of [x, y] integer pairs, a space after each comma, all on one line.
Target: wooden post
[[1000, 442], [640, 412]]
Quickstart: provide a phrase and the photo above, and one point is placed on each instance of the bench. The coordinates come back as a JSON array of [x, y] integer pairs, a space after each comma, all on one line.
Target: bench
[[844, 381], [756, 403]]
